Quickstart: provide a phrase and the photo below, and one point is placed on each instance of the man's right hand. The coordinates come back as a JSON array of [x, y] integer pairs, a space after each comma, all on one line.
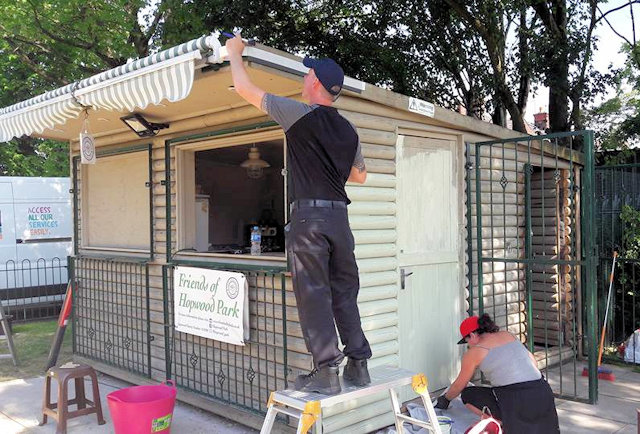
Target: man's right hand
[[241, 80], [235, 46]]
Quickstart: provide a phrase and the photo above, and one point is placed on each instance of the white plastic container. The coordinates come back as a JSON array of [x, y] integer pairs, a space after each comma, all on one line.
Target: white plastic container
[[445, 424]]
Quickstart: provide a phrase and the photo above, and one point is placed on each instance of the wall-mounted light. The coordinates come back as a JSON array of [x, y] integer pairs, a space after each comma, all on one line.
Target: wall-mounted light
[[141, 126], [254, 164]]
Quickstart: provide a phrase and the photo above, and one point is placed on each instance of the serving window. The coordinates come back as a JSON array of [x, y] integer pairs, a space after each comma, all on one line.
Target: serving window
[[226, 187]]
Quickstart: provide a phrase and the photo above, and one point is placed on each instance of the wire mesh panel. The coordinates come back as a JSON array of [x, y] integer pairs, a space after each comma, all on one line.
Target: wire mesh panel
[[111, 313], [530, 211], [239, 375], [33, 289], [618, 229]]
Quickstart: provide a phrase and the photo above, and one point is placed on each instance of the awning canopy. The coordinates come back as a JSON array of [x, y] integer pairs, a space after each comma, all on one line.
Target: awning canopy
[[165, 75], [170, 74]]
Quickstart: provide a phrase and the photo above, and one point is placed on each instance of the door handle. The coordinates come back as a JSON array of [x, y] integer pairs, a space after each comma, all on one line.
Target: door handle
[[403, 276]]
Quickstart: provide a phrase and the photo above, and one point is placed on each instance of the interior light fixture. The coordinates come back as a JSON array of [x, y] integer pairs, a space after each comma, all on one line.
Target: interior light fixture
[[141, 126], [254, 164]]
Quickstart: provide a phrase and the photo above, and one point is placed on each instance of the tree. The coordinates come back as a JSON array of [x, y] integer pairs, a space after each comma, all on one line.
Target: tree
[[44, 45], [617, 119], [483, 55]]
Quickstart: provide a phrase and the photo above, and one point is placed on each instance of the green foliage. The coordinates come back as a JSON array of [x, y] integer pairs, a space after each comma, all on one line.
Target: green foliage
[[617, 120], [33, 342], [432, 50], [47, 44], [50, 158], [630, 218]]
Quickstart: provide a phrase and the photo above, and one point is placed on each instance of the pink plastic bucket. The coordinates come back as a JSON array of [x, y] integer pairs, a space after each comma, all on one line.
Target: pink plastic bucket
[[143, 409]]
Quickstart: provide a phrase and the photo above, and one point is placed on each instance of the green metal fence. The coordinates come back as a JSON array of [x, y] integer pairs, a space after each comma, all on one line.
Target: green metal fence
[[111, 318], [616, 187], [239, 375], [531, 251]]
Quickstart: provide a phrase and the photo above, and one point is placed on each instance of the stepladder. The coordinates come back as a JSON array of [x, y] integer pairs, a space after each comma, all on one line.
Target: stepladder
[[8, 337], [308, 407]]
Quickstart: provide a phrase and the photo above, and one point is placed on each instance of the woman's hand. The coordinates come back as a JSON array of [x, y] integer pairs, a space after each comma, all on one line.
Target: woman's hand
[[443, 402]]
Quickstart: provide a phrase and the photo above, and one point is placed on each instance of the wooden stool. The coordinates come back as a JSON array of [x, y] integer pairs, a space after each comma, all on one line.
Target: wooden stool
[[60, 410]]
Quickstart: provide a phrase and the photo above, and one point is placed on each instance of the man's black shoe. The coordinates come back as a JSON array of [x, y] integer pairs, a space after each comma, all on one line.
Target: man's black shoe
[[323, 380], [356, 372]]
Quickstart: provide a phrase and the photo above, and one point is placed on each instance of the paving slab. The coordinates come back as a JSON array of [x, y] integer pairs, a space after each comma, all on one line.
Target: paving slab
[[629, 429], [21, 405], [578, 423], [8, 425], [609, 407]]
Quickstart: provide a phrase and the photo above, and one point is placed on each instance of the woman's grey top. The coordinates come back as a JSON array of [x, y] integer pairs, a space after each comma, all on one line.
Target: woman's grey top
[[508, 364]]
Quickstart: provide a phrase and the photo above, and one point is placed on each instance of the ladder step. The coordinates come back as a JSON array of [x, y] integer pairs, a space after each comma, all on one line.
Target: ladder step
[[293, 412], [382, 378]]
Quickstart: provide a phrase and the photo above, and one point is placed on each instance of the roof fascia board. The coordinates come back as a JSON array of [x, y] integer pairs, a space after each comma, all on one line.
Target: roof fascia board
[[286, 63]]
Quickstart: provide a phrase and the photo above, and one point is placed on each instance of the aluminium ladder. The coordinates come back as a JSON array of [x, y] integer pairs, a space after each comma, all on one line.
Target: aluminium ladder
[[307, 407]]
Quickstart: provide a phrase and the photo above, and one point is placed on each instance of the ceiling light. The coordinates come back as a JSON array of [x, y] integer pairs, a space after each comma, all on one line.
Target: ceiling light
[[254, 164]]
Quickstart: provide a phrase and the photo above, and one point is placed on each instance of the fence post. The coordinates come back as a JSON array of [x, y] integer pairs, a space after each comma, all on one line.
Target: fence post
[[167, 325], [148, 306], [74, 294], [589, 256], [528, 254]]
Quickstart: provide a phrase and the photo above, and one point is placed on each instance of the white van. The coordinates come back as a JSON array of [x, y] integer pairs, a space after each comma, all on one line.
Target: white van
[[36, 226]]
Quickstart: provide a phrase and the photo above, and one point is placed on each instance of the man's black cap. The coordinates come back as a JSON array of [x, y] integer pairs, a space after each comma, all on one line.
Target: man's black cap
[[328, 72]]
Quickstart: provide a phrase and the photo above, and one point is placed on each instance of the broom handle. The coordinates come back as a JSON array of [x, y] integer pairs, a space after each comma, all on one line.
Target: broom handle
[[606, 311]]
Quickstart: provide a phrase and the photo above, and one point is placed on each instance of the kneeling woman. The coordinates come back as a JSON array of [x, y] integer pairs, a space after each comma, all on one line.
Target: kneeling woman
[[519, 397]]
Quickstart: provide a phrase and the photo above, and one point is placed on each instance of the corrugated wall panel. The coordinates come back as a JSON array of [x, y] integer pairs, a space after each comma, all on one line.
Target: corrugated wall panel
[[373, 222]]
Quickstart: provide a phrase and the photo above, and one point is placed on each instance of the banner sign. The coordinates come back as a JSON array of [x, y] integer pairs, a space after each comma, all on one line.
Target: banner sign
[[212, 304]]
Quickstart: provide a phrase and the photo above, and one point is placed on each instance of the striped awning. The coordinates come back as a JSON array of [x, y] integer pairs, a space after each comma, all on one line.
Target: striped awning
[[165, 75]]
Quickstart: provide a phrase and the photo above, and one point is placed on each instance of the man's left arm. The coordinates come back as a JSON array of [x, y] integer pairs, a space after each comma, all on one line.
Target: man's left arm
[[358, 172], [241, 81]]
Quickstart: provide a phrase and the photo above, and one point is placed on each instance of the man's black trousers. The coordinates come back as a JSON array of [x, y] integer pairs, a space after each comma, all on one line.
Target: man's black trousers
[[325, 281]]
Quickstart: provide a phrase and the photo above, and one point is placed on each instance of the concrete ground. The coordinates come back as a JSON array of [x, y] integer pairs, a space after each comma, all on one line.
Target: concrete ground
[[616, 411], [21, 404]]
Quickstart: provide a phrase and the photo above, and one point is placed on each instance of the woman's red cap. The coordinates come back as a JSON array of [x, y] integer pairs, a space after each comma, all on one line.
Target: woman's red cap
[[468, 326]]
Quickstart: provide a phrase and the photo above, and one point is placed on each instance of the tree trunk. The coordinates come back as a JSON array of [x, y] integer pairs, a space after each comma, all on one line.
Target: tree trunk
[[559, 95]]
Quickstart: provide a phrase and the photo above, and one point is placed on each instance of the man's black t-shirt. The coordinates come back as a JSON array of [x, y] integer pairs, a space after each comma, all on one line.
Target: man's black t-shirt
[[322, 146]]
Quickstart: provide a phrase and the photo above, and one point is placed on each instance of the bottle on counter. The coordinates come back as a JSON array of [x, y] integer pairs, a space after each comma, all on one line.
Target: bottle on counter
[[256, 240]]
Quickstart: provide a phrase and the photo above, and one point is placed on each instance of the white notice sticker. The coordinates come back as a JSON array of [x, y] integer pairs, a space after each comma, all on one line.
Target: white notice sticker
[[421, 107]]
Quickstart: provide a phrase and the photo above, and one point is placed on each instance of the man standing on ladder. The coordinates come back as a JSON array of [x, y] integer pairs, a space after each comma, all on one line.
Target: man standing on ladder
[[323, 153]]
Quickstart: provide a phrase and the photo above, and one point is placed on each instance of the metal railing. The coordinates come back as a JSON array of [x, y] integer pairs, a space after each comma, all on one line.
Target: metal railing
[[32, 290], [530, 211], [618, 186], [239, 375], [111, 319]]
